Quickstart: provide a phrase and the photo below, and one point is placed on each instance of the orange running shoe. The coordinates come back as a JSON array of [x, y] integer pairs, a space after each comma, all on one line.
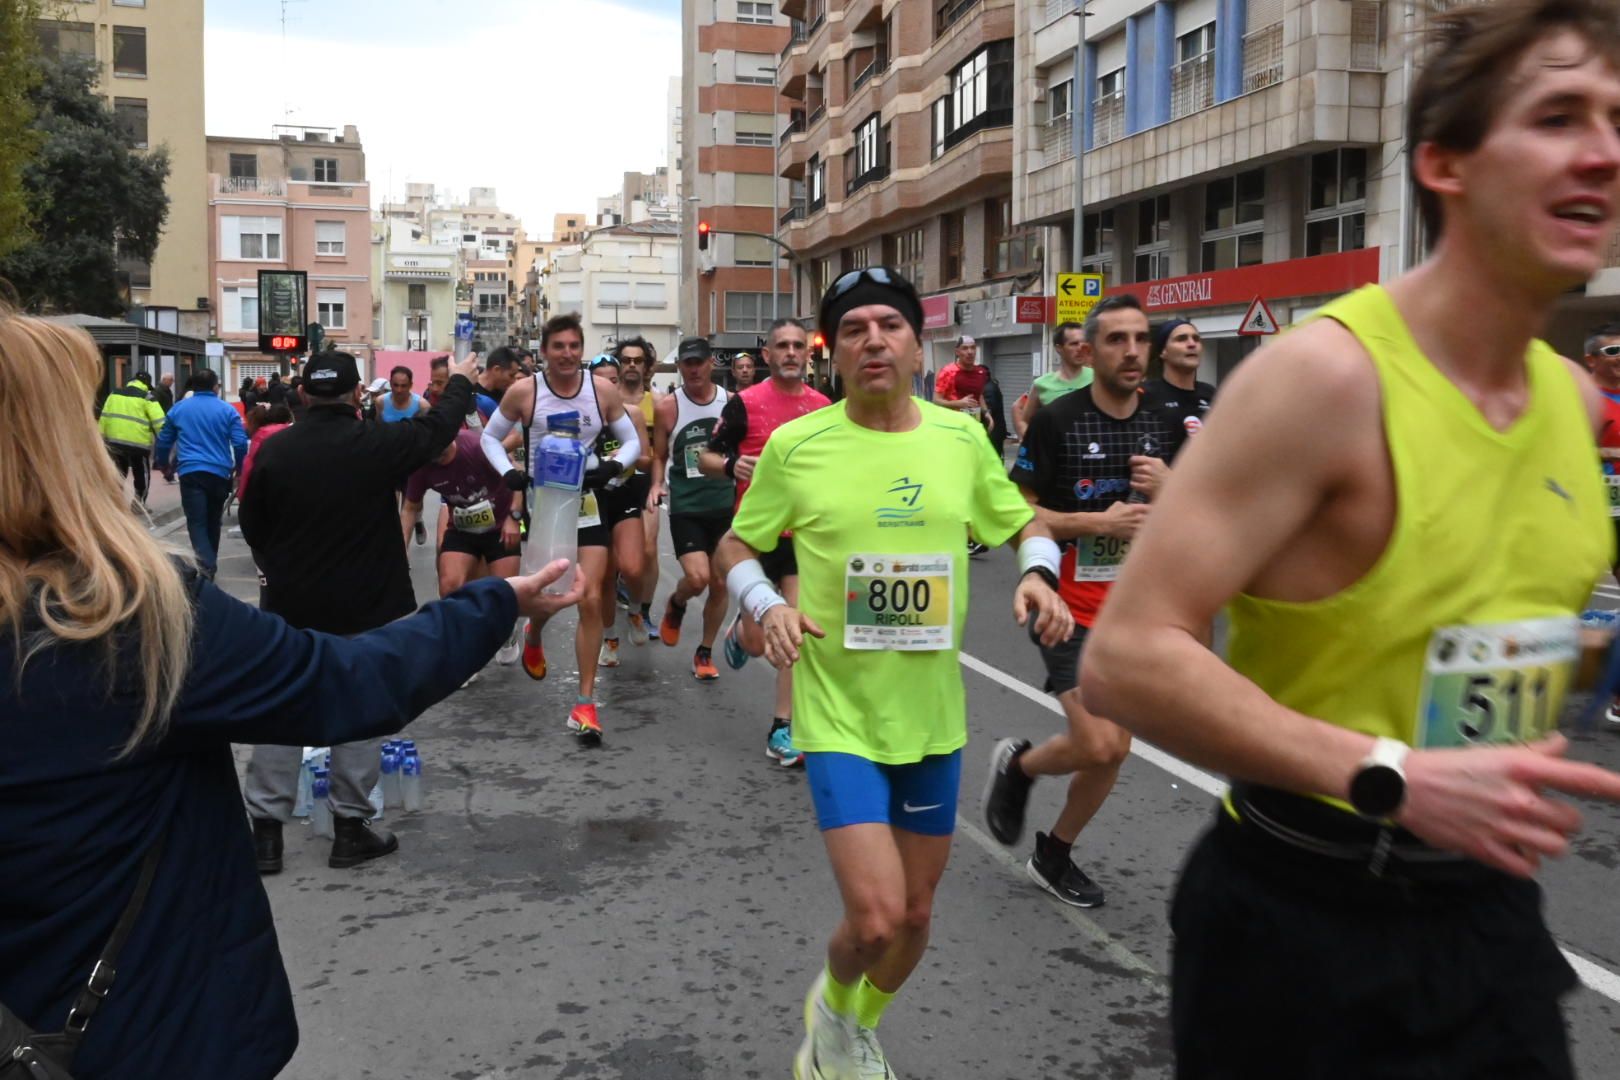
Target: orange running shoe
[[534, 659], [703, 669], [669, 630], [582, 721]]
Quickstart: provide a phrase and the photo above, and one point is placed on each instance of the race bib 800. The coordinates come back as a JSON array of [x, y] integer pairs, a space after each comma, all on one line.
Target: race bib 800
[[898, 602], [1498, 683]]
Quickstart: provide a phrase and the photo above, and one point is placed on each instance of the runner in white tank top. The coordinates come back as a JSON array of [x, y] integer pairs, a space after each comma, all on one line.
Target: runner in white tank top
[[567, 387]]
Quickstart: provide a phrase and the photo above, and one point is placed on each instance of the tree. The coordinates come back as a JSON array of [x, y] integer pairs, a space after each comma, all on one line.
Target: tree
[[19, 73], [93, 197]]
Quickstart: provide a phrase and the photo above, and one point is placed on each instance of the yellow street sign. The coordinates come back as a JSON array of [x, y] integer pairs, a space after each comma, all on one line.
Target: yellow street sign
[[1077, 294]]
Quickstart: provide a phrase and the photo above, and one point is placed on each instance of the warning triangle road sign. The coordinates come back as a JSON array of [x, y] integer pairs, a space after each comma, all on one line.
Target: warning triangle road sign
[[1258, 319]]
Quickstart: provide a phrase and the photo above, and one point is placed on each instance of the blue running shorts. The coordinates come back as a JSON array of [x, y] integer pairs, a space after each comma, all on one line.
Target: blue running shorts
[[919, 797]]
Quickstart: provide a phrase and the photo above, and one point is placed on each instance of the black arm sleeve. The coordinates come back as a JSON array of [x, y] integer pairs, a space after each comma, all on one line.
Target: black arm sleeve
[[332, 689]]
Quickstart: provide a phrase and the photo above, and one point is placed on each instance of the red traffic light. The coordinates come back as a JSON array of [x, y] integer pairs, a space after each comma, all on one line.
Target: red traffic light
[[703, 236], [817, 341]]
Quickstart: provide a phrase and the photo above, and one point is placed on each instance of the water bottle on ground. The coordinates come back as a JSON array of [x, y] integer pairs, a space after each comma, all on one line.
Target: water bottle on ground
[[410, 777], [554, 500], [320, 814], [390, 774]]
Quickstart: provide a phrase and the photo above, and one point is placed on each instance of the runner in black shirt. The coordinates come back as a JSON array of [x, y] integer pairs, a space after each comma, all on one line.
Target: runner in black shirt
[[1179, 396]]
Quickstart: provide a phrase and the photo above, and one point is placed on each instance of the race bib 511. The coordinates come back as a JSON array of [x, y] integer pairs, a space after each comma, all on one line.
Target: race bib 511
[[898, 602], [1498, 683], [1612, 484]]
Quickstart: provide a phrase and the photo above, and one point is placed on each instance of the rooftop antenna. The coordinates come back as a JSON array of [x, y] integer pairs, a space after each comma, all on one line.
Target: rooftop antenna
[[286, 105]]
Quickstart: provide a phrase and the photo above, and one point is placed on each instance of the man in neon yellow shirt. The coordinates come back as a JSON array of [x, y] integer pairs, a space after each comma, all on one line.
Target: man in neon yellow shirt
[[1400, 506], [879, 491]]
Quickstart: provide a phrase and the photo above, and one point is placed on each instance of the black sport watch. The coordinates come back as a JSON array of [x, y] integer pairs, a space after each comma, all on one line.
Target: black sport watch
[[1379, 786]]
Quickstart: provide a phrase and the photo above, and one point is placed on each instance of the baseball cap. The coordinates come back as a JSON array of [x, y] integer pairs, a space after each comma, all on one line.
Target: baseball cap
[[378, 385], [329, 374], [694, 348]]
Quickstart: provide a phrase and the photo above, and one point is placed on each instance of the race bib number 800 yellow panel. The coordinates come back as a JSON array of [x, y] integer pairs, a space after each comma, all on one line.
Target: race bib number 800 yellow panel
[[898, 602], [1497, 683]]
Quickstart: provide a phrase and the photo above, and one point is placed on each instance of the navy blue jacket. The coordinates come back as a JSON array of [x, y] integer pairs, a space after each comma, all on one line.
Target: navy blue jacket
[[201, 990]]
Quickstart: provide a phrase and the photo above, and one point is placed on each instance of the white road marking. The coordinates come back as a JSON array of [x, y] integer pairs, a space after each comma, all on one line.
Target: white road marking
[[1594, 975]]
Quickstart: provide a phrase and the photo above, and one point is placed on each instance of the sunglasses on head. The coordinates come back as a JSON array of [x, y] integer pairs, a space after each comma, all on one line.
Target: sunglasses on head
[[878, 274], [1611, 351]]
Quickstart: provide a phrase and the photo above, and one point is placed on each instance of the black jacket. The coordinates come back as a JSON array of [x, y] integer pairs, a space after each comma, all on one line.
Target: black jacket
[[201, 990], [163, 396], [322, 513]]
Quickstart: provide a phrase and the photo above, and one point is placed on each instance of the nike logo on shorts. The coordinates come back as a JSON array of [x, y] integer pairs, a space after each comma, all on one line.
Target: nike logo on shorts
[[908, 808]]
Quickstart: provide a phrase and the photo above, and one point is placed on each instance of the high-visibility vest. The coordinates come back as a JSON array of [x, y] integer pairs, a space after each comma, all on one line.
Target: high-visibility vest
[[131, 418]]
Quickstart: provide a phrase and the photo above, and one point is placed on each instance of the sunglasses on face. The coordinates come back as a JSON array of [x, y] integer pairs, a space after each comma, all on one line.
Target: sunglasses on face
[[1611, 351]]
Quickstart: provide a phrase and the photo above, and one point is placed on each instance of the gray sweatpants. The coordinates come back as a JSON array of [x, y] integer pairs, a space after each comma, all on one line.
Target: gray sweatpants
[[272, 780]]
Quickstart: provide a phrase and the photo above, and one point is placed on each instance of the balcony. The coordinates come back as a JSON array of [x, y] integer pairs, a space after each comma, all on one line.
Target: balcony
[[792, 71], [816, 115], [1056, 9], [249, 185], [798, 36], [1057, 139], [814, 205], [1263, 58], [1366, 35], [1108, 119], [880, 171], [875, 68], [948, 14], [795, 212], [1192, 85]]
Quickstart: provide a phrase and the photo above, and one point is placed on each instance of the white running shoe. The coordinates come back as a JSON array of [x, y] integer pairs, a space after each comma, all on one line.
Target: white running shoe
[[827, 1052], [1612, 717], [870, 1064], [609, 656]]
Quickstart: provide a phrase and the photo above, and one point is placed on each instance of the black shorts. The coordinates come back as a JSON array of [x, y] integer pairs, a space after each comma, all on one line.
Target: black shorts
[[780, 562], [612, 507], [1062, 660], [485, 545], [1286, 956], [697, 532]]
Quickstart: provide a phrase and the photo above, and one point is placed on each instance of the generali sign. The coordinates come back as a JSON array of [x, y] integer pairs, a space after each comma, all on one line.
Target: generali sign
[[1317, 275]]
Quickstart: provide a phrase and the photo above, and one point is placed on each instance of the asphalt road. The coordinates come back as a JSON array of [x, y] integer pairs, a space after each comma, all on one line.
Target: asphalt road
[[654, 909]]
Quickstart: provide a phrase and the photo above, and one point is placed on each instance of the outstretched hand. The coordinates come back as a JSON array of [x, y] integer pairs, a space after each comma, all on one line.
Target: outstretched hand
[[535, 602]]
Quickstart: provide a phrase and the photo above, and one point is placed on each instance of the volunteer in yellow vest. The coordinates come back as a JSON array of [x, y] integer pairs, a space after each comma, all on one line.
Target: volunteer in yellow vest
[[879, 491], [1400, 502], [130, 421]]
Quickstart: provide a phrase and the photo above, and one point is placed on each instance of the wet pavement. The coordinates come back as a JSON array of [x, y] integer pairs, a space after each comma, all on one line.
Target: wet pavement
[[655, 909]]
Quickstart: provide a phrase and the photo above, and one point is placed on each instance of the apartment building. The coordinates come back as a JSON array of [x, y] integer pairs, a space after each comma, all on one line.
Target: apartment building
[[900, 152], [1234, 150], [417, 284], [150, 61], [732, 118], [297, 200], [622, 281]]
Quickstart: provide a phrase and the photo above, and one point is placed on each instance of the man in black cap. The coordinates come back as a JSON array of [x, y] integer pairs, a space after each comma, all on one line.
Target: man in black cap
[[321, 515]]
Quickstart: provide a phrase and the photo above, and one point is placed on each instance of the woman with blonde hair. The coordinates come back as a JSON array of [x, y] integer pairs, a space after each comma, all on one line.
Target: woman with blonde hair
[[124, 678]]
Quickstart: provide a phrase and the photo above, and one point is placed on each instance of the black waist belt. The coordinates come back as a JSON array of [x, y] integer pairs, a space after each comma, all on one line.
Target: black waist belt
[[1280, 825]]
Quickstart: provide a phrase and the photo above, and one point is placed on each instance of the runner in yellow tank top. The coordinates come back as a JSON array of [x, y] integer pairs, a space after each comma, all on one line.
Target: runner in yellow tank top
[[1400, 503]]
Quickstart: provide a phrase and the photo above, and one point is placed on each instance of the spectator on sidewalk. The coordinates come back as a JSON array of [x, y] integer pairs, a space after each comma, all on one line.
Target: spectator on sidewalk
[[208, 441], [163, 392], [130, 422]]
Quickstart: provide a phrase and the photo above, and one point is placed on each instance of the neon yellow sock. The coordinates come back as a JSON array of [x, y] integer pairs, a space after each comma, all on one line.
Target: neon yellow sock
[[870, 1003], [840, 997]]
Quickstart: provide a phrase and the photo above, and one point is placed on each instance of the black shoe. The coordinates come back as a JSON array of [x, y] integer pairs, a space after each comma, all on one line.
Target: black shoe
[[267, 845], [976, 548], [1065, 880], [1006, 792], [421, 533], [358, 842]]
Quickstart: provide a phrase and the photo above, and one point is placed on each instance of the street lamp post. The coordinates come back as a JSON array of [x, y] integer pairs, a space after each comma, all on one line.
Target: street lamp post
[[1077, 136]]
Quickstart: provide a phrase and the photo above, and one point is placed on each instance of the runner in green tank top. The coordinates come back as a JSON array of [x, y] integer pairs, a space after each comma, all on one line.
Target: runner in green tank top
[[1073, 373], [1400, 502]]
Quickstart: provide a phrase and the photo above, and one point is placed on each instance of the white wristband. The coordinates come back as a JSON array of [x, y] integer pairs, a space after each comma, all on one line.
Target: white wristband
[[754, 592], [1038, 553]]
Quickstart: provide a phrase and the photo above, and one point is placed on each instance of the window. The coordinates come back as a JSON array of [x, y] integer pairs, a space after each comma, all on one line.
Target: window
[[904, 252], [67, 38], [139, 271], [331, 308], [1098, 231], [1234, 221], [650, 294], [758, 68], [1060, 100], [326, 170], [870, 160], [131, 115], [250, 237], [129, 50], [416, 297], [821, 275], [756, 129], [815, 171], [1336, 219], [754, 189], [1153, 238], [750, 11], [240, 311], [1108, 109], [981, 96], [612, 292], [244, 167], [750, 313], [951, 228], [331, 238], [570, 295], [1007, 250], [1192, 80], [858, 257], [754, 251]]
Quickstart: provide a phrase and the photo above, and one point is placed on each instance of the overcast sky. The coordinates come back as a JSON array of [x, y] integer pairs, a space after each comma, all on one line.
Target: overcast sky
[[547, 101]]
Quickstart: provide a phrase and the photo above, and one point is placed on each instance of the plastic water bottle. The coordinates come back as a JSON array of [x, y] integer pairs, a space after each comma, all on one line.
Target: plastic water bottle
[[321, 814], [554, 501], [390, 774], [306, 789], [410, 778]]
